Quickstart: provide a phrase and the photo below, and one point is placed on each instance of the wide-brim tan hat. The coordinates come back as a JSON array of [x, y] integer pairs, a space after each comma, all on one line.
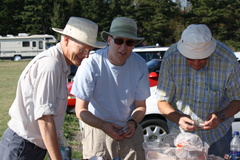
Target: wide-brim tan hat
[[196, 42], [82, 30], [123, 27]]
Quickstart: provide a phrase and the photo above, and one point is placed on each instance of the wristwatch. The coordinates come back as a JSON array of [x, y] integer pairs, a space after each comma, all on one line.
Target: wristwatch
[[133, 122], [223, 117]]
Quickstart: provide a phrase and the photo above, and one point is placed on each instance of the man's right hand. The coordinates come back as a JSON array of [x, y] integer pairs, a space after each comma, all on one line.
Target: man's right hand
[[186, 123], [110, 129]]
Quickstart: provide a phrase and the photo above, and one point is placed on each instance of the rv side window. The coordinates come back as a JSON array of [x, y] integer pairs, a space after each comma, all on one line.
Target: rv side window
[[49, 39], [26, 44], [40, 44], [34, 44]]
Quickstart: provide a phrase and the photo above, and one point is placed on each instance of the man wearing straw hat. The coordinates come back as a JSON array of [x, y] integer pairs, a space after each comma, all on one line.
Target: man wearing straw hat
[[111, 87], [38, 111], [199, 88]]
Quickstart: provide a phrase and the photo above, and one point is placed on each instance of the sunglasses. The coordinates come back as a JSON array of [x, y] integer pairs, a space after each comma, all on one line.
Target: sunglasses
[[120, 41]]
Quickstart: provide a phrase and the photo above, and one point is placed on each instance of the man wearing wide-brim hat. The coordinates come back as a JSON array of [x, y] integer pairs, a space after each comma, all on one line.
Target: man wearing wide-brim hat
[[199, 88], [83, 32], [38, 111], [111, 92]]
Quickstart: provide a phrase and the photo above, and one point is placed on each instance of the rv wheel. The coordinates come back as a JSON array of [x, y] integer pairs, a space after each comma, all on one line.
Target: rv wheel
[[17, 58]]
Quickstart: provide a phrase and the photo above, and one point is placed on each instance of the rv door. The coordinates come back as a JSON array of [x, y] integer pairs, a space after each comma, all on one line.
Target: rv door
[[37, 47]]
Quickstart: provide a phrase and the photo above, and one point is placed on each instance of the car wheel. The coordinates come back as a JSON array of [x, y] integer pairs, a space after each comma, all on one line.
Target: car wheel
[[17, 58], [154, 130]]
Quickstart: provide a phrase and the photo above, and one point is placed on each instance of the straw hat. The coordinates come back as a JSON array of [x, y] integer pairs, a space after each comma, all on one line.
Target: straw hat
[[82, 30], [196, 42], [123, 27]]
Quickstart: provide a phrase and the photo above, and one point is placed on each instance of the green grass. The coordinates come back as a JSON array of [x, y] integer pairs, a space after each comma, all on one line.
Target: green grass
[[9, 73]]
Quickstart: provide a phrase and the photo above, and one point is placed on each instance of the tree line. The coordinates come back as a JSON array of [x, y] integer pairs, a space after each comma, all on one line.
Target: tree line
[[159, 21]]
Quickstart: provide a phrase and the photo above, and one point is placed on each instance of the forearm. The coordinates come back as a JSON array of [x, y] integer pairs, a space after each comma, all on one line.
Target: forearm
[[181, 119], [232, 109], [82, 113], [90, 119], [139, 111], [49, 136], [168, 111], [136, 117]]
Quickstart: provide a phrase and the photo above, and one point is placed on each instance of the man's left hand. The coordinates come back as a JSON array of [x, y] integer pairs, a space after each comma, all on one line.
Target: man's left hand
[[130, 130], [212, 121]]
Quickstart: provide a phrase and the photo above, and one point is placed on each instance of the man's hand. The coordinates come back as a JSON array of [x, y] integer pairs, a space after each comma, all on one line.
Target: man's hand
[[186, 123], [131, 128], [110, 129], [212, 121]]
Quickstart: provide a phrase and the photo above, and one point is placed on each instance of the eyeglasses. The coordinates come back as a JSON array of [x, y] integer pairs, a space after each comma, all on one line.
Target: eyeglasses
[[80, 45], [85, 51], [120, 41]]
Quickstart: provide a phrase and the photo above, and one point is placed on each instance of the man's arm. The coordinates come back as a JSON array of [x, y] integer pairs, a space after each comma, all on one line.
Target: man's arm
[[82, 113], [232, 109], [49, 136], [183, 120], [139, 111], [137, 115], [214, 119]]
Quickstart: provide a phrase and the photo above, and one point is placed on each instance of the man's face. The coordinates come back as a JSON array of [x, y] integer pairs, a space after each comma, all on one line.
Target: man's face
[[197, 64], [119, 49], [76, 52]]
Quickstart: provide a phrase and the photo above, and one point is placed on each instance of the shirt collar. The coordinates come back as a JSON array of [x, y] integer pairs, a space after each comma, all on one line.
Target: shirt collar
[[66, 68]]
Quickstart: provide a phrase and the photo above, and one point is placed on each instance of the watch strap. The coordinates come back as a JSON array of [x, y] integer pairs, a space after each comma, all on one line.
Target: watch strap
[[134, 122], [223, 117]]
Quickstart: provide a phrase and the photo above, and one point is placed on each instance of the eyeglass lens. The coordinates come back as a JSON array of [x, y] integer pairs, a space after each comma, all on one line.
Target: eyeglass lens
[[120, 41], [85, 51]]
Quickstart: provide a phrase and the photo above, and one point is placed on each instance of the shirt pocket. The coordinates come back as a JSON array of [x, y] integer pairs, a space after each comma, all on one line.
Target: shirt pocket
[[213, 99]]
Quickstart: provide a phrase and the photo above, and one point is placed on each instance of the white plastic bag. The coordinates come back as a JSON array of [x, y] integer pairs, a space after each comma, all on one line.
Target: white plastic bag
[[189, 141], [96, 158]]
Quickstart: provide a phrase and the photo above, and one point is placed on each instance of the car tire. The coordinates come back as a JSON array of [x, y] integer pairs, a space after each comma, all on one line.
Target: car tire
[[154, 130]]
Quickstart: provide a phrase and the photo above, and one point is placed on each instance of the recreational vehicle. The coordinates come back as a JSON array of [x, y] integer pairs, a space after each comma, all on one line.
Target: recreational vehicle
[[24, 45]]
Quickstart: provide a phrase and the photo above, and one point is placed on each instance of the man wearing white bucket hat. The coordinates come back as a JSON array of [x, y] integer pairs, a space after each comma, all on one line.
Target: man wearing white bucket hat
[[199, 88], [38, 111], [111, 87]]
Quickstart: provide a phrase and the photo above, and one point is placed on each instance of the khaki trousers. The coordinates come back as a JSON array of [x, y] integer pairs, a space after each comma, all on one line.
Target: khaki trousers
[[97, 143]]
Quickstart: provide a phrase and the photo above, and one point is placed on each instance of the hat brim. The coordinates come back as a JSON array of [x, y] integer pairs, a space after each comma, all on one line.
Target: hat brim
[[97, 44], [200, 52], [105, 35]]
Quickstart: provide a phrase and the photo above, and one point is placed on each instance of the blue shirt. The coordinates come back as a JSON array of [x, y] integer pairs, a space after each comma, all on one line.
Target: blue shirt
[[111, 89], [199, 93]]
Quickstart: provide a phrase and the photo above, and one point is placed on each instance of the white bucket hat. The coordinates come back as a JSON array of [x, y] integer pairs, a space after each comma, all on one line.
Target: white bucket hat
[[196, 42], [82, 30]]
